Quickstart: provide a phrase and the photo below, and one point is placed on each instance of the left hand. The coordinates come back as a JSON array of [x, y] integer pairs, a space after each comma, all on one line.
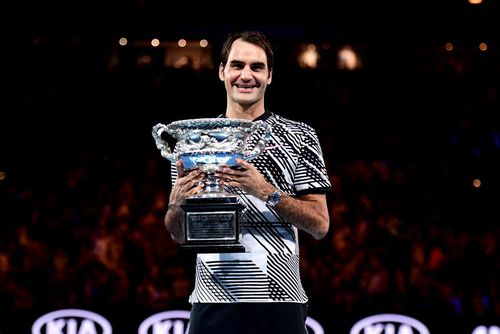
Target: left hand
[[247, 178]]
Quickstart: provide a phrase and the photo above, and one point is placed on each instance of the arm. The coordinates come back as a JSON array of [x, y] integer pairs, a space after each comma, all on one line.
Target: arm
[[307, 212], [186, 184]]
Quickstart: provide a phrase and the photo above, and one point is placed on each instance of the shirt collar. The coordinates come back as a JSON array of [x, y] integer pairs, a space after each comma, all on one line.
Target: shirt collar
[[262, 117]]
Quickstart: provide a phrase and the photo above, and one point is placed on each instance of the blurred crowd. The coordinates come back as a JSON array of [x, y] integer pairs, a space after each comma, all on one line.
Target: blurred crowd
[[92, 234]]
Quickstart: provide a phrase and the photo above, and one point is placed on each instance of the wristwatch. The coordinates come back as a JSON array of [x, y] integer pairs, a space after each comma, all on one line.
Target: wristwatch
[[274, 198]]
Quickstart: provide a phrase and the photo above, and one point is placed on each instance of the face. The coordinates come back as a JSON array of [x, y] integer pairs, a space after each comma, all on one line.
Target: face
[[246, 74]]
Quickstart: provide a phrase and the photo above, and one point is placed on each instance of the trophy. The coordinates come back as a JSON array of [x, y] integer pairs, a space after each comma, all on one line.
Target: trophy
[[212, 216]]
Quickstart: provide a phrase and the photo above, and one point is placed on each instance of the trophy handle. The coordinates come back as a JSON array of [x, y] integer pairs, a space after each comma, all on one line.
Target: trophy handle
[[162, 144], [261, 145]]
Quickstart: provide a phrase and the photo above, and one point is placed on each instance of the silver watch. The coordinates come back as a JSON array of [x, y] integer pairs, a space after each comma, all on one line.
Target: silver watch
[[274, 198]]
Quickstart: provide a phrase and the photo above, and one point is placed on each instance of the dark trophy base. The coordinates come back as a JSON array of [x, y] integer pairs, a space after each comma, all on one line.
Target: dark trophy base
[[212, 224]]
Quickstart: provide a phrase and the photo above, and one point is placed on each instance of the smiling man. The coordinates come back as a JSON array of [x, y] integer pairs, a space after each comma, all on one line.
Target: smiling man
[[284, 190]]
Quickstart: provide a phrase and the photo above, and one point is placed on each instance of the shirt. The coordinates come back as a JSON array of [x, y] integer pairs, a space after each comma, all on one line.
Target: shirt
[[268, 270]]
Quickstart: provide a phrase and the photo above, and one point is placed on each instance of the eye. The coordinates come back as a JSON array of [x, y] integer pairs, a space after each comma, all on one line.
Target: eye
[[257, 67], [238, 65]]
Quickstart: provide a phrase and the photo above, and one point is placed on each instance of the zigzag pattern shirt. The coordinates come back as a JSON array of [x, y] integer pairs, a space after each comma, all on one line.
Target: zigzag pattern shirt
[[268, 270]]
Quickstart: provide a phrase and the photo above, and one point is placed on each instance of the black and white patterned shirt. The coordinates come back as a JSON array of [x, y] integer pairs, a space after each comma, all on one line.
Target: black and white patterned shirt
[[268, 270]]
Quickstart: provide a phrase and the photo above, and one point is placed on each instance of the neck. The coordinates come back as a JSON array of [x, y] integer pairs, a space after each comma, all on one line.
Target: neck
[[250, 112]]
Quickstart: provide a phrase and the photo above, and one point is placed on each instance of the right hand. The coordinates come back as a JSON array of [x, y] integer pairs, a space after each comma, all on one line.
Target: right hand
[[187, 184]]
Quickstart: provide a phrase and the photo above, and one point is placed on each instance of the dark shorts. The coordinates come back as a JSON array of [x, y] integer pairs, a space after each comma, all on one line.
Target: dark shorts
[[248, 318]]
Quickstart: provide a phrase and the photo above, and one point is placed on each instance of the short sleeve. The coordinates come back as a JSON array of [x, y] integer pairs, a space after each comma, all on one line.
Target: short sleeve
[[311, 173]]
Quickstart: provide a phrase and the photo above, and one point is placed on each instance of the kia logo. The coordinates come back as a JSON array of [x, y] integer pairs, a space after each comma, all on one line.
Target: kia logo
[[314, 327], [171, 322], [177, 322], [389, 324], [486, 330], [71, 321]]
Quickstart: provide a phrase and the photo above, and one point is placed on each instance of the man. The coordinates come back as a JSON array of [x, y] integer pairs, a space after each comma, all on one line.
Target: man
[[284, 189]]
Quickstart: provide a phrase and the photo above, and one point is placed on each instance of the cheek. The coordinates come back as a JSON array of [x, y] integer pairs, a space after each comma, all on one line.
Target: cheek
[[230, 76], [230, 80], [264, 79]]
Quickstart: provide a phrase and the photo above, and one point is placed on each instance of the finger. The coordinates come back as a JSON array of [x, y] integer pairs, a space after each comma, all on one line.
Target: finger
[[199, 187], [229, 182], [230, 172], [180, 168], [193, 177], [189, 188], [243, 163], [190, 184]]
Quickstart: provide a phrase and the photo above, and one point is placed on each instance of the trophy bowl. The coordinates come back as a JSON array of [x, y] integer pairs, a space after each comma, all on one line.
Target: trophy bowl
[[211, 217], [209, 143]]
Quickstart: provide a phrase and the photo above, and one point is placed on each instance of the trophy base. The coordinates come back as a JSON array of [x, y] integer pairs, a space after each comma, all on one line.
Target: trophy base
[[211, 248], [212, 224]]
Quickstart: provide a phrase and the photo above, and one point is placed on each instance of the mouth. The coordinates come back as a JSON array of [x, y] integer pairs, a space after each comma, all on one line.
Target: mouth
[[242, 86]]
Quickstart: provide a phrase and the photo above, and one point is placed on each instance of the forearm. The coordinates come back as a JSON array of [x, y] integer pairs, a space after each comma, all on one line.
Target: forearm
[[308, 215], [173, 223], [306, 212]]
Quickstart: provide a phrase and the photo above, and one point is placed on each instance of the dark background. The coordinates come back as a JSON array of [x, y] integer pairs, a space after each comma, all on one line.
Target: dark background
[[403, 137]]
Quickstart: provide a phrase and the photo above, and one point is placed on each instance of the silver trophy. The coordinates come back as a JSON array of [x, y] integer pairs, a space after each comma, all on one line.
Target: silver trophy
[[211, 217]]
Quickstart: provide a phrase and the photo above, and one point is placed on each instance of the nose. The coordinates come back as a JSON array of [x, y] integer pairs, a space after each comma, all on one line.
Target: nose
[[246, 73]]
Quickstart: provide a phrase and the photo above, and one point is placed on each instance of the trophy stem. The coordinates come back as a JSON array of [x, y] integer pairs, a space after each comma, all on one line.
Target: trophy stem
[[211, 185], [212, 188]]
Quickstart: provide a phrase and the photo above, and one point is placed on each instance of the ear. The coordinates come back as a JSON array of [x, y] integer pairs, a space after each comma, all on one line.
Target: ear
[[270, 78], [221, 72]]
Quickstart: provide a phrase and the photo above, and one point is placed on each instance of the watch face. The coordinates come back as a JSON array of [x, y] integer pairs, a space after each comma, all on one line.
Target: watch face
[[274, 198]]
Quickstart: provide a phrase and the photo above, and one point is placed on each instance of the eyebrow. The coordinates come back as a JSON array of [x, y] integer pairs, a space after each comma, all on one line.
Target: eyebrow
[[238, 62]]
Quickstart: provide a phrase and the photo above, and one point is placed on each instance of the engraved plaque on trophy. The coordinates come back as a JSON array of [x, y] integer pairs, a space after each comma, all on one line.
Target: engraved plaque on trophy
[[211, 217]]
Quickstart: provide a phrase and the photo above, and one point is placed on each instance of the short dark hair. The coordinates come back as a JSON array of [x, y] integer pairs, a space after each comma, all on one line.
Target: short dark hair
[[255, 37]]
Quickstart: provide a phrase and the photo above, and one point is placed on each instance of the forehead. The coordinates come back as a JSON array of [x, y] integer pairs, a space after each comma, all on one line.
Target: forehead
[[246, 52]]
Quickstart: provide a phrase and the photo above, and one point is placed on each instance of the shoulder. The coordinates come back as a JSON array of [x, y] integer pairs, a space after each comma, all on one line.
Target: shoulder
[[291, 125]]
